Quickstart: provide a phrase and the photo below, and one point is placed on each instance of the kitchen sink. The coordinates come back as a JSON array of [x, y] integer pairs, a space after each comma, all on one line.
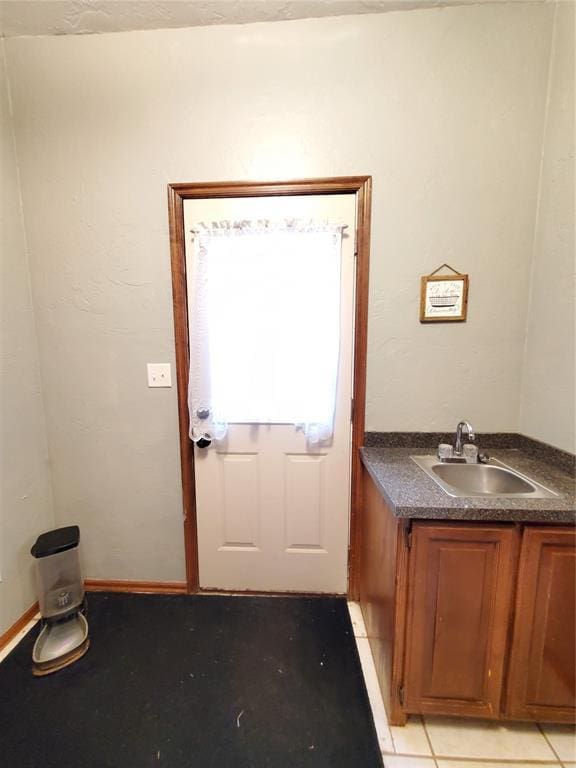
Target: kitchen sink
[[491, 479]]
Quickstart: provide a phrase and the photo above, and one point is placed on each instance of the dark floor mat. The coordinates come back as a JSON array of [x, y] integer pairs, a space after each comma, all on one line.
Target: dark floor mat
[[195, 682]]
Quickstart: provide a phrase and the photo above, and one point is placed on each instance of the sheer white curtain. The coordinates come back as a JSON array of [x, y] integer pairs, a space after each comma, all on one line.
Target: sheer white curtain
[[264, 322]]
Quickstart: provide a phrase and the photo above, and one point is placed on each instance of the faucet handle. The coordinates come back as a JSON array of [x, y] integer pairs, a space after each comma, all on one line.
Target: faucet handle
[[470, 452], [445, 451]]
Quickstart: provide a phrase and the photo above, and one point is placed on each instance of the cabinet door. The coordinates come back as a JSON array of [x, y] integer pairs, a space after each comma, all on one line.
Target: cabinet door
[[541, 682], [460, 594]]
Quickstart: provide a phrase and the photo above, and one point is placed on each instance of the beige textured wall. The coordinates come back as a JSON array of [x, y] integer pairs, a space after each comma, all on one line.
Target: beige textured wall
[[25, 495], [549, 391], [457, 184], [444, 108]]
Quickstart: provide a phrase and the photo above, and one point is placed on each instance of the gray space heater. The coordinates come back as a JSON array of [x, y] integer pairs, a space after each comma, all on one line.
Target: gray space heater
[[63, 638]]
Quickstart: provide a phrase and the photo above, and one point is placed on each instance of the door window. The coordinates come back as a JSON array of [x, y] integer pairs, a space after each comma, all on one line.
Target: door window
[[264, 329]]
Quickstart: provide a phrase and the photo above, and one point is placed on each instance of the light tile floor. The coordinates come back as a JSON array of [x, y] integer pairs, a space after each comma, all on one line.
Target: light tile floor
[[447, 742]]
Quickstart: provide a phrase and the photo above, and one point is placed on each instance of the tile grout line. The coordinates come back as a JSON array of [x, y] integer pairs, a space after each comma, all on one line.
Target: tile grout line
[[454, 758], [382, 751], [364, 636], [553, 761], [477, 759], [547, 740], [491, 760], [428, 739], [393, 743], [556, 760]]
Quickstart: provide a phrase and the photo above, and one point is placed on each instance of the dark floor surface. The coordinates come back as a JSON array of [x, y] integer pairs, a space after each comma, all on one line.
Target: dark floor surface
[[195, 682]]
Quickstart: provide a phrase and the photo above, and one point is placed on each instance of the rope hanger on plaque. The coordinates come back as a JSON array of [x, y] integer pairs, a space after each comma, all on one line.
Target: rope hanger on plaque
[[444, 298]]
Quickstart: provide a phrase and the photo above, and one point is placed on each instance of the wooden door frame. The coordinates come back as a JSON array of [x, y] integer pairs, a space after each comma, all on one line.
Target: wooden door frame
[[361, 186]]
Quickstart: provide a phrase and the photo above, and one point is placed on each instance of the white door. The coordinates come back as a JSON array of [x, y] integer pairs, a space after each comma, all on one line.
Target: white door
[[273, 511]]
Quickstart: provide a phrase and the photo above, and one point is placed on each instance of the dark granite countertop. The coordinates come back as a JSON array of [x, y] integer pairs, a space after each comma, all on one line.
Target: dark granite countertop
[[411, 493]]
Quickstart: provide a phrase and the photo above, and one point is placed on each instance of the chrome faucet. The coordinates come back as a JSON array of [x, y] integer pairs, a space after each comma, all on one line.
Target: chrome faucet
[[463, 425]]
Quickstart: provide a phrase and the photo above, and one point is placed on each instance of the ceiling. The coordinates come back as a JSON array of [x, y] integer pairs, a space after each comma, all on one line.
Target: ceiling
[[80, 17]]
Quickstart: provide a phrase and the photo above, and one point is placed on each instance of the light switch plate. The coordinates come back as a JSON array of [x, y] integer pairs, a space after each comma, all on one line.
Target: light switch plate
[[159, 375]]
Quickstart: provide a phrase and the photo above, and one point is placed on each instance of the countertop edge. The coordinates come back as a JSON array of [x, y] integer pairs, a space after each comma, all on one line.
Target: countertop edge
[[421, 511]]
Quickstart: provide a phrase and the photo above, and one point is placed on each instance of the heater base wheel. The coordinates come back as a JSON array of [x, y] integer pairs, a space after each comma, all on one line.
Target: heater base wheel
[[46, 668]]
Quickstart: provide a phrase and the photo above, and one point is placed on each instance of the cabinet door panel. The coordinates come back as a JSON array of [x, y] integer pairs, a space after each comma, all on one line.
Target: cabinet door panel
[[542, 678], [460, 590]]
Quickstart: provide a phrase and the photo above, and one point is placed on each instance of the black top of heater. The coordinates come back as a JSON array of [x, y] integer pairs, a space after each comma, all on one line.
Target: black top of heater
[[58, 540]]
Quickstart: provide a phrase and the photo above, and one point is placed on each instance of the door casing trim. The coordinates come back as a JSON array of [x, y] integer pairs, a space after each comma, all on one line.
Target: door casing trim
[[361, 186]]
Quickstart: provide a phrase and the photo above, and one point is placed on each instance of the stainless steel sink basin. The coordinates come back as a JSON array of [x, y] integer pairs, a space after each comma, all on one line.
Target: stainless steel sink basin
[[492, 479]]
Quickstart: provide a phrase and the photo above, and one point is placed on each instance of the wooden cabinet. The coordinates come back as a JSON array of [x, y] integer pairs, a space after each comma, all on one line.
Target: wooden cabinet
[[460, 590], [471, 619], [542, 675], [383, 579]]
